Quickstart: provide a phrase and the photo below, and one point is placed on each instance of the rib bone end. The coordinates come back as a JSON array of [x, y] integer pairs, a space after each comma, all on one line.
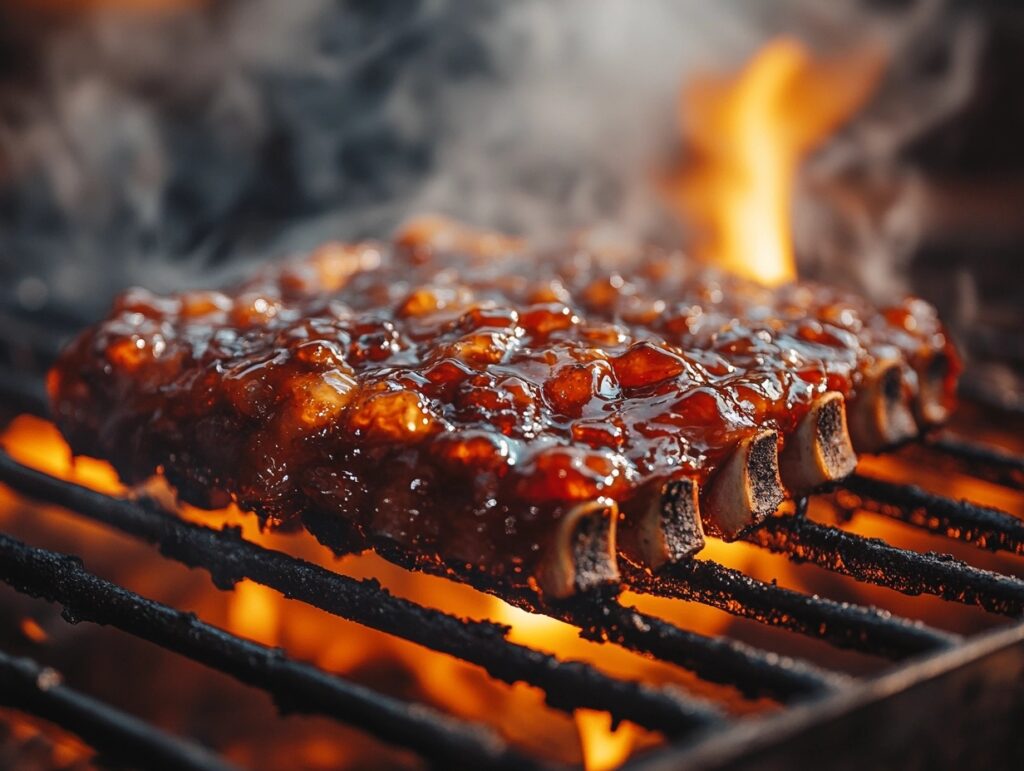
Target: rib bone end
[[820, 450], [581, 557], [667, 530], [933, 404], [879, 414], [746, 489]]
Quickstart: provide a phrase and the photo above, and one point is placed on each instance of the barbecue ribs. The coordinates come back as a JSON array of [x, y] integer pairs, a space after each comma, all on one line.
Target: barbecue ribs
[[454, 397]]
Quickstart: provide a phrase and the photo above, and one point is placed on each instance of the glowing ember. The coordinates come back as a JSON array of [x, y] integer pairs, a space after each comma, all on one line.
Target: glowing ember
[[38, 443], [31, 629], [255, 612], [746, 136], [30, 743]]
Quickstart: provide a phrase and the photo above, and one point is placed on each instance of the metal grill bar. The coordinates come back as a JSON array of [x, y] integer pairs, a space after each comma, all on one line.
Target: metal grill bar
[[752, 671], [985, 527], [843, 624], [568, 685], [37, 690], [978, 460], [295, 686], [955, 709], [873, 561], [755, 672]]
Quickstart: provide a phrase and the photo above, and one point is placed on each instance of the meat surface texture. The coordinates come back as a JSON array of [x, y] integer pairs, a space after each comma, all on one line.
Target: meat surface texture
[[466, 400]]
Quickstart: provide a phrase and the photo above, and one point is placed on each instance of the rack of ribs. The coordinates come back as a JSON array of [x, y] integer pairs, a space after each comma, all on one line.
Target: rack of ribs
[[458, 398]]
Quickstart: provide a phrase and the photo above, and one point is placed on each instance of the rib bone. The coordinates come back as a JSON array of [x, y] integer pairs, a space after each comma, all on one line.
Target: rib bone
[[667, 529], [879, 414], [932, 404], [820, 450], [581, 555], [746, 488]]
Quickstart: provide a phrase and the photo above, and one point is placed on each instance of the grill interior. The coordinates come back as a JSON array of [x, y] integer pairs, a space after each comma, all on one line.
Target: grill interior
[[699, 730]]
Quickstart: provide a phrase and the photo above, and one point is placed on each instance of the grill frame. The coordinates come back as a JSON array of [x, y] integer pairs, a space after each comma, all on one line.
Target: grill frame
[[819, 708], [952, 696]]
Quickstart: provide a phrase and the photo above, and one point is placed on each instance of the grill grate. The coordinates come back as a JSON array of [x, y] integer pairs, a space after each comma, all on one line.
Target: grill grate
[[38, 690], [695, 725], [986, 527], [229, 558], [978, 460], [296, 687], [842, 624], [873, 561]]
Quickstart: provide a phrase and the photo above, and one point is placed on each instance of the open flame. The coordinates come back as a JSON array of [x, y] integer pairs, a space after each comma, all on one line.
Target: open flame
[[746, 135]]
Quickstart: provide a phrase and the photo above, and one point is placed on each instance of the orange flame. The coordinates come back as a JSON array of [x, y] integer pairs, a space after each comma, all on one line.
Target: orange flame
[[39, 745], [747, 135], [603, 748]]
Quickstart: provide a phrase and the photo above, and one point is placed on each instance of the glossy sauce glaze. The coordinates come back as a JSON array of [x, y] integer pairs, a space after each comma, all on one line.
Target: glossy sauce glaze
[[456, 394]]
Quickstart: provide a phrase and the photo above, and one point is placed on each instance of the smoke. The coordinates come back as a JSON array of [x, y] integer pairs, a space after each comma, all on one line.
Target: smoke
[[864, 209], [168, 148]]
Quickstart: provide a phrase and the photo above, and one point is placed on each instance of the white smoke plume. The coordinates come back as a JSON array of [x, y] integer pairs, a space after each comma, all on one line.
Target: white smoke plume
[[161, 148]]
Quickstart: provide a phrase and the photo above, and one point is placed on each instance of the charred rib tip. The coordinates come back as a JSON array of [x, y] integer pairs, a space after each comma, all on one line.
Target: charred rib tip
[[746, 489], [820, 449], [879, 414], [932, 404], [582, 555], [668, 529]]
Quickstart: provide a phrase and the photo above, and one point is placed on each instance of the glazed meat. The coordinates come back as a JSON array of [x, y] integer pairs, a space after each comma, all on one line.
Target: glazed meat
[[454, 397]]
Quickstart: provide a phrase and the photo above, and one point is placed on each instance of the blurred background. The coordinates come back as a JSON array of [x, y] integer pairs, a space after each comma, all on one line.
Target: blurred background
[[172, 142]]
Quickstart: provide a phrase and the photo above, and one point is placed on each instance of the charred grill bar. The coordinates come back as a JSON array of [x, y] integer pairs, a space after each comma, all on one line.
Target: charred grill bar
[[873, 561], [753, 671], [978, 460], [983, 526], [844, 625], [37, 690]]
